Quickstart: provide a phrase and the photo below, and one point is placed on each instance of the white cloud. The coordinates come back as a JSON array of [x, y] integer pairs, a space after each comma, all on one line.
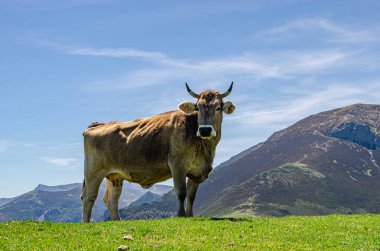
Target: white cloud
[[255, 66], [164, 68], [75, 150], [316, 61], [117, 53], [251, 122], [331, 97], [338, 33], [37, 40], [251, 68], [62, 162]]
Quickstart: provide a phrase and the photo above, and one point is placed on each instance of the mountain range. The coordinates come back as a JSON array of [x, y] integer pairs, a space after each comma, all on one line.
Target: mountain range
[[327, 163], [62, 203]]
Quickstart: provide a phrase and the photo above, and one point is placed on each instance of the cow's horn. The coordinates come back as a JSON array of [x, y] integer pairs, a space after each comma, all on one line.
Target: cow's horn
[[193, 94], [228, 91]]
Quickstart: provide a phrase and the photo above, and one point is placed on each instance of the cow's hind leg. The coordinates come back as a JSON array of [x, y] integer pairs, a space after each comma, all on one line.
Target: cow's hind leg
[[179, 180], [191, 191], [90, 191], [112, 195]]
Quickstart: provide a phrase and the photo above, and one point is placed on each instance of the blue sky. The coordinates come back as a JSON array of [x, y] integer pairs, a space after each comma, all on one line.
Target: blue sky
[[65, 64]]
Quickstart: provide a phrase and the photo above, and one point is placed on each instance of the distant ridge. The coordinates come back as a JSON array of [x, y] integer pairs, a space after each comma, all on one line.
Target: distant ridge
[[60, 188], [62, 203]]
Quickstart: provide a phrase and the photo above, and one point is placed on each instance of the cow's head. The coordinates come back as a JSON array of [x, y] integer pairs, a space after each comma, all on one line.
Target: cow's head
[[209, 107]]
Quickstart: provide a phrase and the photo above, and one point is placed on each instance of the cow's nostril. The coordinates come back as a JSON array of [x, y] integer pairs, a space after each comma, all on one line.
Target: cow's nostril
[[205, 131]]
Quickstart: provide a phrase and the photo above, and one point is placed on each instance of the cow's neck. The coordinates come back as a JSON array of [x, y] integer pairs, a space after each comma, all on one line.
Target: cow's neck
[[207, 147]]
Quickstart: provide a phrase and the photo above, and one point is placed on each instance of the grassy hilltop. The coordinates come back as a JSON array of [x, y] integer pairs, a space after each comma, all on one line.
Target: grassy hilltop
[[335, 232]]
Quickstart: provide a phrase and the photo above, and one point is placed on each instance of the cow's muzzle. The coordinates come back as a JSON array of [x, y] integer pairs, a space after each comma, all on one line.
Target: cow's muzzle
[[206, 131]]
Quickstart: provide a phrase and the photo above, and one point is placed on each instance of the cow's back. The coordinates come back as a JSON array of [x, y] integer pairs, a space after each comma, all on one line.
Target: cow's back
[[138, 148]]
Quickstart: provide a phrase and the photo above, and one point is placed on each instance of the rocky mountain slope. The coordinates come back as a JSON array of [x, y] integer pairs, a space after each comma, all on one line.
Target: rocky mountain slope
[[4, 201], [326, 163], [164, 208], [62, 203]]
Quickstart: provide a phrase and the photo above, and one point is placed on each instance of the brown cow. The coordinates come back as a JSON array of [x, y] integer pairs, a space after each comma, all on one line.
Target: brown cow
[[176, 144]]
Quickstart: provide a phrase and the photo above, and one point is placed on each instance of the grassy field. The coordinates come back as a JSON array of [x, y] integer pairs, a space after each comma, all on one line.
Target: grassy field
[[336, 232]]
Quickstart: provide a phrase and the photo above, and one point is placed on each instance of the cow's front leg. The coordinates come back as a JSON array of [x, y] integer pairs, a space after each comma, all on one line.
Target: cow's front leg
[[179, 180], [191, 192]]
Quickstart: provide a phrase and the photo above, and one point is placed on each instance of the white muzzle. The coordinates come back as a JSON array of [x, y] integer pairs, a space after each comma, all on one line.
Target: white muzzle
[[206, 131]]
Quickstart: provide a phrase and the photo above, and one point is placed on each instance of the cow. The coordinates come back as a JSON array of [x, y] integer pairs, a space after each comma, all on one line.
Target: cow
[[177, 144]]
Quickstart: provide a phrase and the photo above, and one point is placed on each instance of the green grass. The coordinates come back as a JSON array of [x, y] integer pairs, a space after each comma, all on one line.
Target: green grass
[[335, 232]]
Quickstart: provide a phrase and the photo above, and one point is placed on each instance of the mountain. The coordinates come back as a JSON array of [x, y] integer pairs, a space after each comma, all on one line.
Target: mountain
[[59, 188], [62, 203], [56, 205], [164, 208], [327, 163], [4, 201], [148, 197], [141, 208]]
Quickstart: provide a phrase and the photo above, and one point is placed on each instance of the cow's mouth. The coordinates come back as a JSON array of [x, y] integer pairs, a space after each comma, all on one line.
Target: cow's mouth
[[207, 138]]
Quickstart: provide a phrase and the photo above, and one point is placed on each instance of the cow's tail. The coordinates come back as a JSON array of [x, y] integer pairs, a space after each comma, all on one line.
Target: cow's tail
[[83, 187]]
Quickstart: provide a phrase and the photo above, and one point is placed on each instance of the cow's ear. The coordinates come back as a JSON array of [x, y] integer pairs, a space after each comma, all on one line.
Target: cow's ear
[[228, 108], [187, 107]]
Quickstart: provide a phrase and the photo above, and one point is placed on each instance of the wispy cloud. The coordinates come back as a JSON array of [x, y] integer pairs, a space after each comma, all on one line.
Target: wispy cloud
[[253, 118], [70, 49], [338, 33], [160, 68], [73, 150], [317, 61], [331, 97], [61, 162], [254, 66], [251, 68], [7, 144], [117, 53]]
